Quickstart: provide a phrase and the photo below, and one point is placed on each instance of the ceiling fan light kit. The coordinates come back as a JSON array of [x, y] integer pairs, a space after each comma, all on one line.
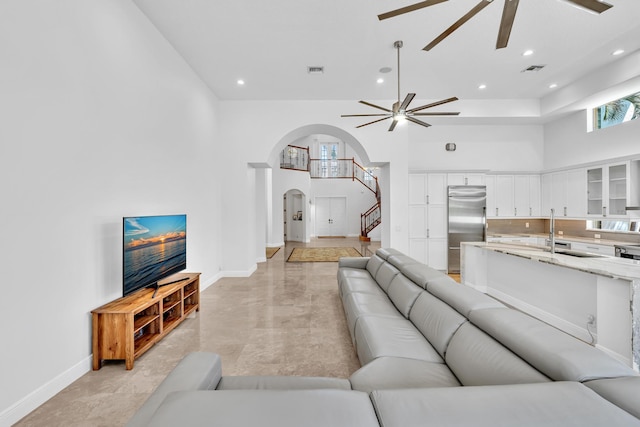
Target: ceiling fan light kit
[[399, 111]]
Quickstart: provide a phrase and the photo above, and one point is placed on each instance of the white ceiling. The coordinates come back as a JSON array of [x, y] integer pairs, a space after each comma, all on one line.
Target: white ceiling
[[269, 44]]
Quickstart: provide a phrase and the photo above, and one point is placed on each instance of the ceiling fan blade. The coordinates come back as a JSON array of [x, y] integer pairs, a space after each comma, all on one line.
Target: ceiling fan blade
[[458, 24], [393, 125], [508, 16], [433, 104], [407, 101], [375, 106], [443, 113], [408, 9], [375, 121], [418, 122], [592, 5], [363, 115]]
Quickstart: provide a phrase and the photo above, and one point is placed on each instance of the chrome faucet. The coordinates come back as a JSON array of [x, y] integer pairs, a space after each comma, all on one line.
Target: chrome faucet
[[552, 234]]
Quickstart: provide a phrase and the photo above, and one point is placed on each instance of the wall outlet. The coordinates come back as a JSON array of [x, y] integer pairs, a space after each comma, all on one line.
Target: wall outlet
[[596, 236], [526, 225], [560, 233]]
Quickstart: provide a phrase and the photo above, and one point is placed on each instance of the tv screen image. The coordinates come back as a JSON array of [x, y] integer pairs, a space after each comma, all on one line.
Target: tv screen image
[[154, 247]]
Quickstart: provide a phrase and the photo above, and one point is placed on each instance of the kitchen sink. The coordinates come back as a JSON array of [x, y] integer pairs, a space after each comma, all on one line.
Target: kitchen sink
[[578, 254]]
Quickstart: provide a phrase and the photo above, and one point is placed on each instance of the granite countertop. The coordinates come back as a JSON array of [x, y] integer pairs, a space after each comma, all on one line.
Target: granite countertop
[[606, 242], [618, 268]]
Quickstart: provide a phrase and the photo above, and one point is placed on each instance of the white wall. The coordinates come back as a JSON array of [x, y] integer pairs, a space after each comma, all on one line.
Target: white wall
[[567, 142], [512, 148], [251, 131], [101, 119], [359, 200]]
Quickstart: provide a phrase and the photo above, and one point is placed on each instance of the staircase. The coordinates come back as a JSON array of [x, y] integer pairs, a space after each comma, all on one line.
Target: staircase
[[297, 158]]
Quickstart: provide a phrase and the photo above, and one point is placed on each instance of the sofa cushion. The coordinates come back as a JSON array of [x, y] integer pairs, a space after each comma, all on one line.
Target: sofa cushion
[[388, 336], [352, 267], [395, 372], [385, 275], [403, 293], [401, 261], [461, 297], [622, 392], [477, 359], [361, 304], [196, 371], [436, 320], [553, 352], [282, 382], [360, 284], [266, 408], [385, 253], [421, 274], [555, 404], [374, 264]]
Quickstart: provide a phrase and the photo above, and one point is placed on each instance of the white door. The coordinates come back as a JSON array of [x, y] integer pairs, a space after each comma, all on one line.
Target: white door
[[331, 216]]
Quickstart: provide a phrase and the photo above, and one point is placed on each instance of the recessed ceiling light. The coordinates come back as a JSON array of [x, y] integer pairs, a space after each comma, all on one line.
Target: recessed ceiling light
[[482, 86], [385, 70], [380, 80], [240, 82], [618, 52], [553, 85], [527, 53]]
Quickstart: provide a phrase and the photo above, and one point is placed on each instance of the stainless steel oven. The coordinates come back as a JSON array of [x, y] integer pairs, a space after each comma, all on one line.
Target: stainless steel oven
[[628, 251]]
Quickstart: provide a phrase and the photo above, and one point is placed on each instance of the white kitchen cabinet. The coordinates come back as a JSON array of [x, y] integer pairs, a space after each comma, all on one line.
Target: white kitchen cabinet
[[490, 182], [526, 195], [505, 206], [511, 196], [594, 248], [564, 192], [428, 219], [608, 190], [466, 179]]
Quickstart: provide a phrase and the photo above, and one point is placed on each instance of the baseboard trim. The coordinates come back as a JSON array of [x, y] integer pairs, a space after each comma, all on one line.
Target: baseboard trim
[[204, 284], [241, 273], [33, 400]]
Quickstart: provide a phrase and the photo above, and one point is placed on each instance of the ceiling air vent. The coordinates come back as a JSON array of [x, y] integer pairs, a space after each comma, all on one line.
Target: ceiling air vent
[[533, 68], [315, 70]]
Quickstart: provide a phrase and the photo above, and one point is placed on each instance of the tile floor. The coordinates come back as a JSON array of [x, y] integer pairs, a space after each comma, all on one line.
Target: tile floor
[[285, 319]]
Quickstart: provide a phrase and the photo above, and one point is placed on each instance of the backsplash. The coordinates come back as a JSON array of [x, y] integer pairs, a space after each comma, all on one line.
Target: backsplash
[[516, 226], [569, 227]]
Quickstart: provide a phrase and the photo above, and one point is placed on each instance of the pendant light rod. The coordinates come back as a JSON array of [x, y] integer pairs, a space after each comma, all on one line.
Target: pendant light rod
[[398, 44]]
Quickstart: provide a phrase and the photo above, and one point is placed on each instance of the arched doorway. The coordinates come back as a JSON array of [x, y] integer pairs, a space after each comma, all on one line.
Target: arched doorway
[[295, 216], [273, 220]]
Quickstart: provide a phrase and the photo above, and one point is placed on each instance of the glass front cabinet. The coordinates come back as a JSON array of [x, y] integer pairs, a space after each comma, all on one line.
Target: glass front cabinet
[[608, 190]]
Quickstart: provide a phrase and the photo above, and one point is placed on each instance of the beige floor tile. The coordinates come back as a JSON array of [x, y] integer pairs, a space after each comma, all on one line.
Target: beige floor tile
[[286, 319]]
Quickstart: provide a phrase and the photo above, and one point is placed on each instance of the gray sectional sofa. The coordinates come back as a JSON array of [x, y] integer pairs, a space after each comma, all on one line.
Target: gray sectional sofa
[[433, 353]]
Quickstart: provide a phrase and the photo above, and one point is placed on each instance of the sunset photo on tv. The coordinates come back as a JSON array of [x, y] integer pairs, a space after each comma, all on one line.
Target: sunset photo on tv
[[153, 248]]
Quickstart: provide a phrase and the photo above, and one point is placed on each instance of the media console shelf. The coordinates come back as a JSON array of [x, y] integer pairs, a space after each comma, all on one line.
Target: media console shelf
[[129, 326]]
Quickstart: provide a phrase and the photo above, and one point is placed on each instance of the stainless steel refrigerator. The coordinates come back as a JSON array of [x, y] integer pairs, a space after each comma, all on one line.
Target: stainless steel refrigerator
[[467, 212]]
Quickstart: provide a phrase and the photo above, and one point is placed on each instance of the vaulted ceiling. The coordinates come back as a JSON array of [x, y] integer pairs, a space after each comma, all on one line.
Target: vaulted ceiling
[[270, 43]]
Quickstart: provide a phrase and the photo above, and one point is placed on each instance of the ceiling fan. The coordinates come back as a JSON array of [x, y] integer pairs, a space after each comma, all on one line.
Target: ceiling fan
[[399, 111], [508, 16]]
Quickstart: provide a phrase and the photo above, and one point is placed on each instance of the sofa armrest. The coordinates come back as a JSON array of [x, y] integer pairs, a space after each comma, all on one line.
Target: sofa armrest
[[196, 371], [353, 262]]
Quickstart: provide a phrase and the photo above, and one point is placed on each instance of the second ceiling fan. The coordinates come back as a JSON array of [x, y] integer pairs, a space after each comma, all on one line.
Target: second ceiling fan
[[508, 16], [399, 111]]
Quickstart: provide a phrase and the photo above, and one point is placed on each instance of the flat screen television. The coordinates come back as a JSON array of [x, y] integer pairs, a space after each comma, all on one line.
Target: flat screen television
[[154, 247]]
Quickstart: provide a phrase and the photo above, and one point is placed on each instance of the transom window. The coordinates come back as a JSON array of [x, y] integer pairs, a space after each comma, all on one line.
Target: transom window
[[615, 112]]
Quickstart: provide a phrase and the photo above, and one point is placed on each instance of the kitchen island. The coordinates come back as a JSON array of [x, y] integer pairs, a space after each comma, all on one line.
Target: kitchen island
[[592, 297]]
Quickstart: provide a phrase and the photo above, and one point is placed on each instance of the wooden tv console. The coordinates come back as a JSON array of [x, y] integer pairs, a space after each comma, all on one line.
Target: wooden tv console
[[129, 326]]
